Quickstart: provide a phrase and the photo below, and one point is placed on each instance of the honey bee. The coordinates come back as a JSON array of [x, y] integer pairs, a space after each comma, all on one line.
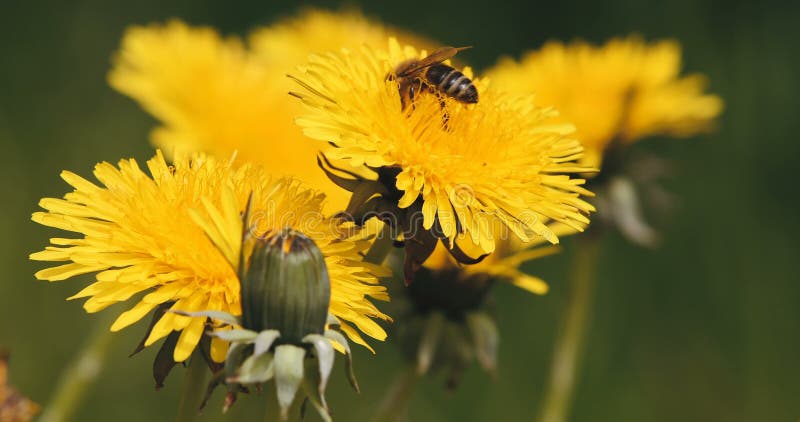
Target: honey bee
[[430, 74]]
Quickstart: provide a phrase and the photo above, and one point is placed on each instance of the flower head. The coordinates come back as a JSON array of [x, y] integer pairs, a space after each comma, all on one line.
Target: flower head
[[456, 168], [174, 236], [446, 320], [622, 91], [220, 95]]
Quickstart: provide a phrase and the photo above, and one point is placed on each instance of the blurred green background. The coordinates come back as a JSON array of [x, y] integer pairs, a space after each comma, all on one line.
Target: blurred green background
[[706, 328]]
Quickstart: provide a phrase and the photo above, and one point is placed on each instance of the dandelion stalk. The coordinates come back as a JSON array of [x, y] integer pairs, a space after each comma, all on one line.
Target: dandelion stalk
[[273, 408], [394, 405], [79, 376], [569, 343], [194, 385]]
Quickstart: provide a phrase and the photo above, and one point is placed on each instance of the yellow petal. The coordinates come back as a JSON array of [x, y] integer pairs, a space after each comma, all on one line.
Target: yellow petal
[[532, 284], [130, 316], [219, 349], [188, 339], [63, 272], [353, 335]]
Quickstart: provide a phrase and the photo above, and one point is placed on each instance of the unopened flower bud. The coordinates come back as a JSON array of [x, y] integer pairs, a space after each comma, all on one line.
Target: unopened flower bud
[[286, 287]]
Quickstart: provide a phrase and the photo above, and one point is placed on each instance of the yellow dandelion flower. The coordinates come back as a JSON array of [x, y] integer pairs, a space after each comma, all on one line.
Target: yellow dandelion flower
[[624, 90], [219, 95], [461, 166], [172, 236]]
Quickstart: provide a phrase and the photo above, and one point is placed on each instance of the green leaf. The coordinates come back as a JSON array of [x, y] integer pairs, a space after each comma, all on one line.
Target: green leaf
[[235, 336], [325, 355], [311, 383], [348, 357], [429, 342], [256, 369], [216, 315], [264, 341], [486, 339], [288, 374]]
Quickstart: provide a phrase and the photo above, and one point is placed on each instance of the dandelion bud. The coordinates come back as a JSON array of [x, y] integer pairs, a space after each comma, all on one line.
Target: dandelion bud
[[286, 287]]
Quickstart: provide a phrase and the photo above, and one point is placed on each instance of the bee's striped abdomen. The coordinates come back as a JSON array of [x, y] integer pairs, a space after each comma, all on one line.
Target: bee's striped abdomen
[[452, 83]]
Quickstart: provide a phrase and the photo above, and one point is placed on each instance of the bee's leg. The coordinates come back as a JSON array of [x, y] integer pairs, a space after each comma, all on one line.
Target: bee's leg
[[445, 114], [407, 94], [412, 92]]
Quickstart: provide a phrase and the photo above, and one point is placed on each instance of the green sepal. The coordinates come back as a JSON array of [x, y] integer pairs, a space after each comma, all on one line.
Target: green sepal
[[417, 249], [345, 183], [255, 369], [348, 357], [233, 360], [324, 355], [458, 352], [360, 212], [164, 361], [459, 255], [429, 342], [625, 209], [486, 339], [204, 346], [235, 336], [311, 386], [157, 314], [332, 321], [264, 340], [246, 234], [289, 367], [216, 380]]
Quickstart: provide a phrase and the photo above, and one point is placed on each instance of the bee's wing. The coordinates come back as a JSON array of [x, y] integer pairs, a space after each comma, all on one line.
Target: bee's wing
[[435, 57]]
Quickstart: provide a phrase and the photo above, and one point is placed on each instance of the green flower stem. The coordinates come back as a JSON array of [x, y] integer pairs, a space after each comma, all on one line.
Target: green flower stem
[[273, 410], [194, 386], [395, 402], [569, 342], [381, 247], [78, 377]]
